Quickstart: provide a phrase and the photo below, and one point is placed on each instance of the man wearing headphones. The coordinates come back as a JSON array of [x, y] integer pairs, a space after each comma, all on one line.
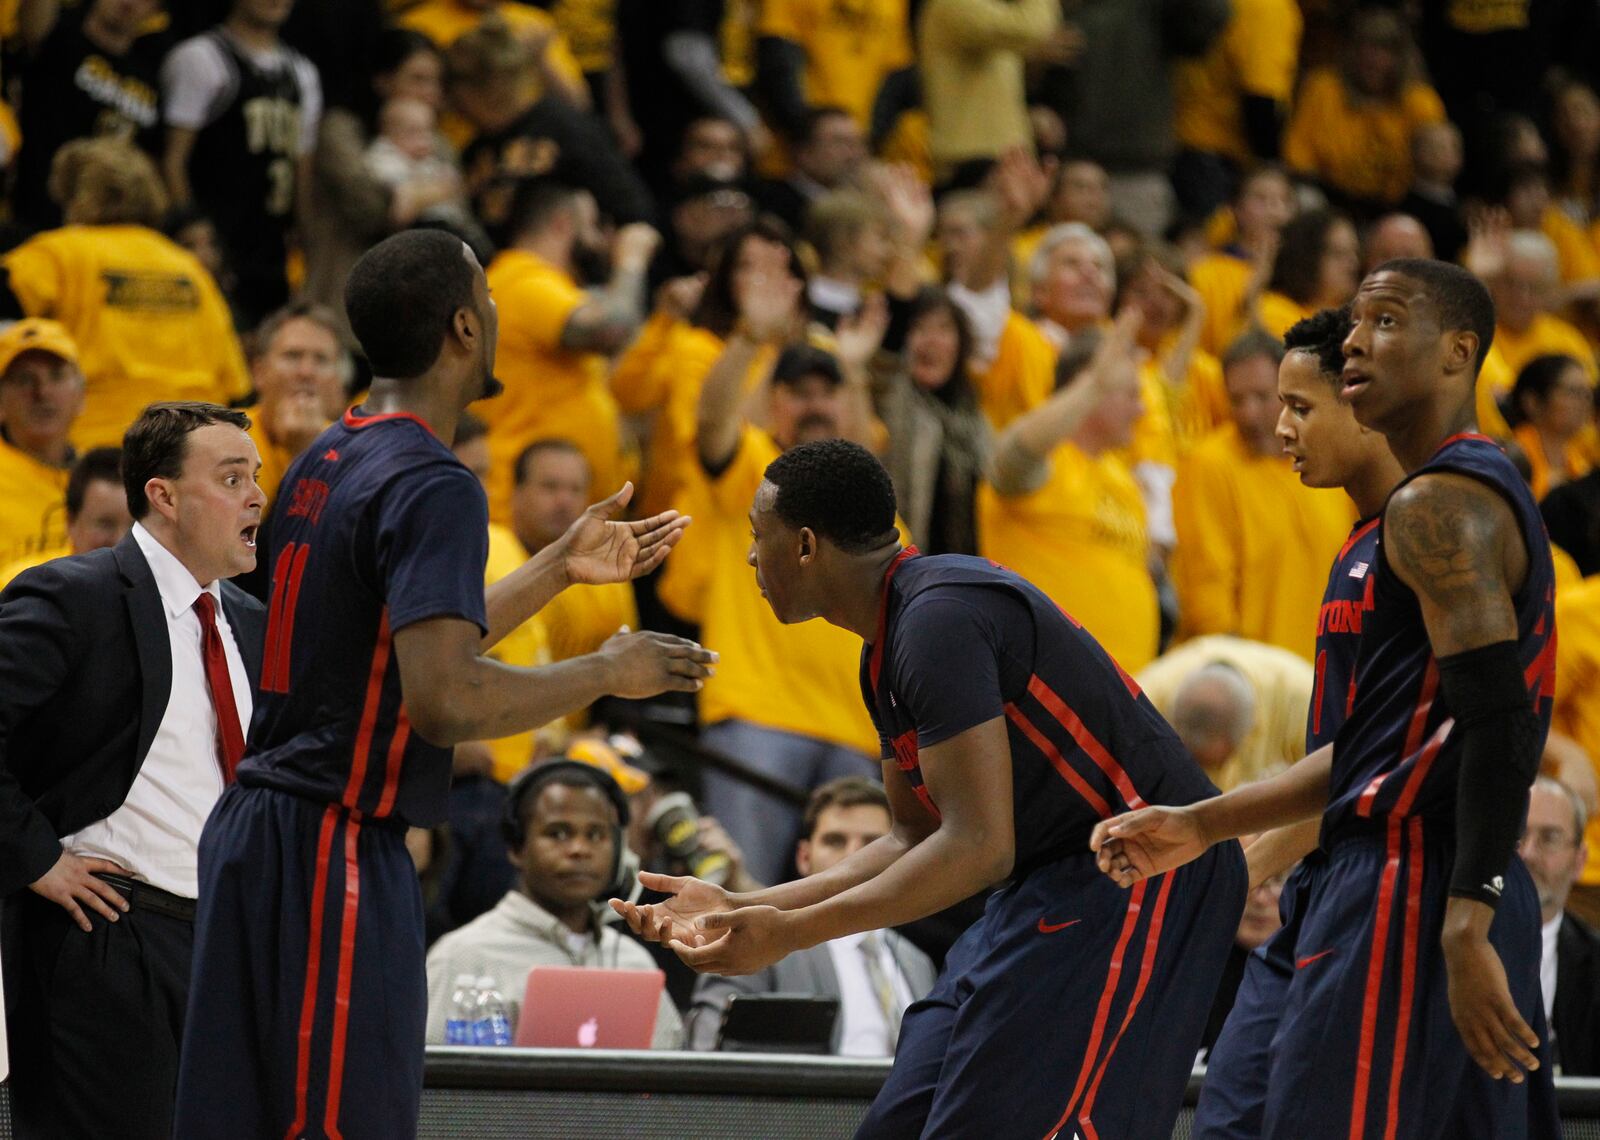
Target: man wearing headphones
[[564, 832]]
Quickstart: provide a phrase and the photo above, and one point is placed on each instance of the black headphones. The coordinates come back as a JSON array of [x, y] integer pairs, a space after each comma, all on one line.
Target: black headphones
[[624, 877]]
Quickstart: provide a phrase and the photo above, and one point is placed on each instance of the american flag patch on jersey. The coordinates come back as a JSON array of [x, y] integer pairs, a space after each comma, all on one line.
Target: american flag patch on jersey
[[1359, 570]]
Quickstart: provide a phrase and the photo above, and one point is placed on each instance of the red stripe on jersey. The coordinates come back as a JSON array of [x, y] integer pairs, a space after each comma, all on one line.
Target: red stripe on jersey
[[308, 1002], [391, 764], [1103, 1012], [1152, 942], [1059, 762], [1430, 752], [1369, 1005], [1070, 720], [369, 715], [280, 656], [1316, 693], [1419, 721], [1465, 435], [1357, 535], [341, 992], [1408, 975], [875, 662], [356, 423]]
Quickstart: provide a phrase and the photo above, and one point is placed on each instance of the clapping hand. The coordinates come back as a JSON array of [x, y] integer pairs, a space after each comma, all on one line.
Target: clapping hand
[[599, 548]]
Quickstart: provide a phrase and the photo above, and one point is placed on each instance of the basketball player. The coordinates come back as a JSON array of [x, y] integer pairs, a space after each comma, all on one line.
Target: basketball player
[[308, 978], [1069, 1008], [1418, 952], [1330, 449]]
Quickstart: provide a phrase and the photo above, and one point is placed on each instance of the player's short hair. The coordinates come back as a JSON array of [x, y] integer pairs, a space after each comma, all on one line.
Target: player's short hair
[[535, 202], [97, 465], [1253, 342], [836, 488], [1462, 301], [1322, 335], [401, 296], [107, 181], [155, 446], [524, 468], [844, 792]]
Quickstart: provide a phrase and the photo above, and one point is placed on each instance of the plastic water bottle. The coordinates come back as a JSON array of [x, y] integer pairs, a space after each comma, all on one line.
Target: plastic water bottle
[[458, 1028], [492, 1025]]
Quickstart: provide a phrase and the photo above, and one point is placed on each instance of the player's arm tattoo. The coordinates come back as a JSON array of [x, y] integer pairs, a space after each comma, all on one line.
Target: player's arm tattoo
[[1446, 537]]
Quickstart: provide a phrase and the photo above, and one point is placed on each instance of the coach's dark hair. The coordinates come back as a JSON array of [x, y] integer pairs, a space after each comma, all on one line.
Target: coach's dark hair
[[718, 310], [1322, 335], [155, 445], [401, 297], [1297, 270], [839, 490], [97, 465], [1462, 300]]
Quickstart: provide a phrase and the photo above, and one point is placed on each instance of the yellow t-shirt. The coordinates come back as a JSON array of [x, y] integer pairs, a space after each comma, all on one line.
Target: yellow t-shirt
[[149, 321], [1279, 313], [1022, 375], [526, 647], [16, 566], [1360, 148], [446, 21], [1283, 683], [550, 392], [1222, 280], [1575, 251], [1577, 705], [1254, 545], [1257, 54], [589, 27], [795, 678], [580, 618], [1196, 407], [275, 459], [1547, 334], [33, 505], [851, 47], [1081, 539]]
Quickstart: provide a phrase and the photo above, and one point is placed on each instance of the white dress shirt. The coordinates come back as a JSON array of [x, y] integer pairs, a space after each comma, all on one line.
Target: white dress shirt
[[864, 1032], [155, 834], [1547, 969]]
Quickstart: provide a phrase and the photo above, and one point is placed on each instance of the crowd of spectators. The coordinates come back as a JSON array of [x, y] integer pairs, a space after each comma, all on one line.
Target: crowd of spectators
[[1036, 255]]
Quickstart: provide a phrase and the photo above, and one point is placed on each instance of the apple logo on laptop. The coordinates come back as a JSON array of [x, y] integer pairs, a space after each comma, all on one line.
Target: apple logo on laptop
[[589, 1033]]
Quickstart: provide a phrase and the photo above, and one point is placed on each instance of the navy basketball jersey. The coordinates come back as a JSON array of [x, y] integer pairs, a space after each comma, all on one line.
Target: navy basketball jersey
[[962, 641], [1398, 753], [1349, 595], [378, 526]]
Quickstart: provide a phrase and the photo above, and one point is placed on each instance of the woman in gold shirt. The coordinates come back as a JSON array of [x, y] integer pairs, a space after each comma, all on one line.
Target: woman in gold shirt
[[1550, 406]]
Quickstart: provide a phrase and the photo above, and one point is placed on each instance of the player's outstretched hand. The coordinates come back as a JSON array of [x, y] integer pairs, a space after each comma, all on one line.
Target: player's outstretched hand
[[1144, 843], [1494, 1032], [599, 548], [644, 664], [673, 918], [742, 941]]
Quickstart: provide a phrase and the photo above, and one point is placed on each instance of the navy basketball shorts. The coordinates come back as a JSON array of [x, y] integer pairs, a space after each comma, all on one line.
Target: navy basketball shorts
[[1365, 1048], [308, 998], [1072, 1008]]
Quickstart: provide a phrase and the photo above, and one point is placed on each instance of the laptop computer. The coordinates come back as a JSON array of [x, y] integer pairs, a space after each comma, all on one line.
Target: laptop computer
[[572, 1007]]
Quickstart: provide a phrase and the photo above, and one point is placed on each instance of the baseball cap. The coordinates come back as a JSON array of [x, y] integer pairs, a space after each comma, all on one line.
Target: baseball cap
[[600, 754], [36, 334]]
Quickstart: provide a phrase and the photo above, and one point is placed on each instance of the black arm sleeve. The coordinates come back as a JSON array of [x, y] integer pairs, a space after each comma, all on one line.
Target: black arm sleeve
[[901, 92], [1499, 759], [779, 66], [1263, 126]]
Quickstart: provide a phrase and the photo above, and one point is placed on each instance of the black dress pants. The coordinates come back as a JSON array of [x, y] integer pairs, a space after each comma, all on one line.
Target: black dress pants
[[94, 1020]]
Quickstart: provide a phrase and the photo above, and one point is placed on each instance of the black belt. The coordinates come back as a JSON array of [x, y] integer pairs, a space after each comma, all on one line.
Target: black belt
[[143, 896]]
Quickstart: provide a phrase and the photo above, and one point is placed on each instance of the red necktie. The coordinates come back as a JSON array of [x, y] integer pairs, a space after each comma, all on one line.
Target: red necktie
[[230, 737]]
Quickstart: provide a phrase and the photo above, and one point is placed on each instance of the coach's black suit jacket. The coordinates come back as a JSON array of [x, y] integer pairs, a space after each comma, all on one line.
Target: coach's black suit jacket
[[1577, 1004], [85, 671]]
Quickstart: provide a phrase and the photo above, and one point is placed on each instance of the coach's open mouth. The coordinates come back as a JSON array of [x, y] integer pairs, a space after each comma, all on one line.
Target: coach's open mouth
[[248, 534]]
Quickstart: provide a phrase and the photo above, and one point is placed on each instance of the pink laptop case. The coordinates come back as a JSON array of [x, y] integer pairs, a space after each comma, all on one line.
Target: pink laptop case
[[571, 1007]]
